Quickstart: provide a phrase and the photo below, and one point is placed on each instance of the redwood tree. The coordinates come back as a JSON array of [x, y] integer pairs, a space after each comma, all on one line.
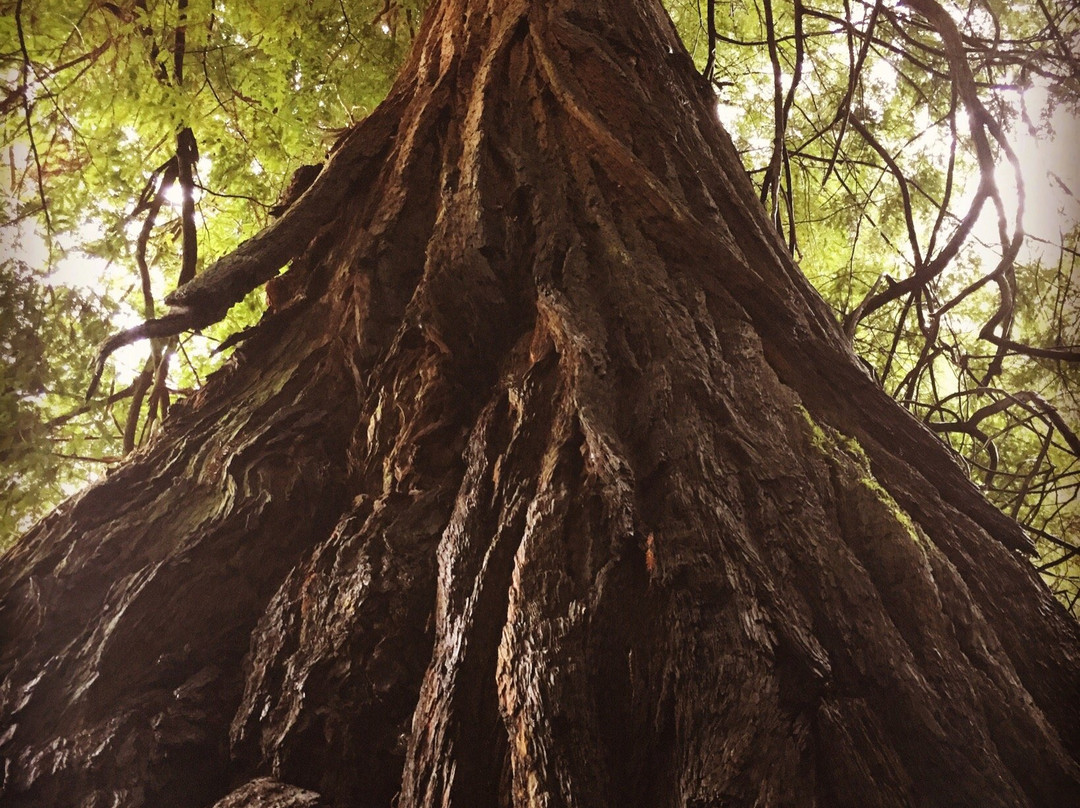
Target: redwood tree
[[547, 480]]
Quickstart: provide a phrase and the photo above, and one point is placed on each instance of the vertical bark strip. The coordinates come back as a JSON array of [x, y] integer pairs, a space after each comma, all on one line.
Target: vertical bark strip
[[550, 482]]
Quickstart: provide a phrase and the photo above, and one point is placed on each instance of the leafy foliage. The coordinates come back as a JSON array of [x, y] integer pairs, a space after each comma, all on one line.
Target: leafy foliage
[[94, 99], [45, 453], [883, 139]]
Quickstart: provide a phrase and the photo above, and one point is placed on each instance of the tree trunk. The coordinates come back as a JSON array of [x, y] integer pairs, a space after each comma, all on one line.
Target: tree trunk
[[548, 481]]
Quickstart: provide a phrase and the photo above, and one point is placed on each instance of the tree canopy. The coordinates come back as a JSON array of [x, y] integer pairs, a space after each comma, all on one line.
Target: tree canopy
[[914, 156]]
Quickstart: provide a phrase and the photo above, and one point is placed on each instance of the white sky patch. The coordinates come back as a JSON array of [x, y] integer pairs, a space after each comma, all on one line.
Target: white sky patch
[[127, 362], [923, 122], [729, 116], [175, 195], [78, 270], [882, 75], [1051, 169], [1050, 166]]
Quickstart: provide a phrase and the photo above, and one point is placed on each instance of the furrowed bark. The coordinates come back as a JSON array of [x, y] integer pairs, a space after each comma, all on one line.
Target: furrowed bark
[[555, 485]]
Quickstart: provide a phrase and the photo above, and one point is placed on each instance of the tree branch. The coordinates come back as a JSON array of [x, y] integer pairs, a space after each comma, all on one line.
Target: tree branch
[[26, 105]]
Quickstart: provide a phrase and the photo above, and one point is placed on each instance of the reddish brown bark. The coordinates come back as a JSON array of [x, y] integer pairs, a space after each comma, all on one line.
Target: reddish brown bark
[[550, 482]]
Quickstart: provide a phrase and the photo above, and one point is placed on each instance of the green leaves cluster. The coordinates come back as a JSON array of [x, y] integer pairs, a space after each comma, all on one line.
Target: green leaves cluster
[[89, 108], [45, 451]]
